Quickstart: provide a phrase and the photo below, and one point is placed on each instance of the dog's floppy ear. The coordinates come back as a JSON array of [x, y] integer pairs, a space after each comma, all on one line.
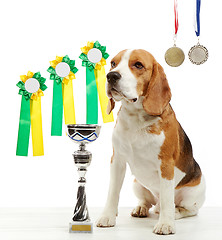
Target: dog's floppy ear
[[158, 93], [110, 106]]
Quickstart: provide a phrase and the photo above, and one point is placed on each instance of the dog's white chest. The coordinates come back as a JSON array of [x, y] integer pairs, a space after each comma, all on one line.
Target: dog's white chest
[[140, 150], [145, 163]]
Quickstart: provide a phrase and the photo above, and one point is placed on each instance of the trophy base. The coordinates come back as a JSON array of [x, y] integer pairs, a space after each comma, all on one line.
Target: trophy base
[[80, 227]]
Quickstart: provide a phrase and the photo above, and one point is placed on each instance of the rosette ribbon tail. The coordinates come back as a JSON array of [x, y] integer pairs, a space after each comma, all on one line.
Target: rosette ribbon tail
[[68, 103], [24, 128], [36, 127], [91, 98], [101, 86], [57, 110]]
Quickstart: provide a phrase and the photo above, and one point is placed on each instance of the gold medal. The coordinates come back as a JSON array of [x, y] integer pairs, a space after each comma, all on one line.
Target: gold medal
[[198, 54], [174, 56]]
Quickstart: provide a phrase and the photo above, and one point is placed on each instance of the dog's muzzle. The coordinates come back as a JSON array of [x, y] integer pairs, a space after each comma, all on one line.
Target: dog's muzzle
[[113, 88]]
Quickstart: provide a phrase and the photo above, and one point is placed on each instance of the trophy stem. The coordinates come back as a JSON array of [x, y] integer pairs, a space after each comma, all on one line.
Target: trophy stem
[[82, 159], [82, 146], [81, 212]]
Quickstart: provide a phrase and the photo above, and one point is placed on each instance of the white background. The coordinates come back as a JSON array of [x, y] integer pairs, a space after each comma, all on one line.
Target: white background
[[34, 32]]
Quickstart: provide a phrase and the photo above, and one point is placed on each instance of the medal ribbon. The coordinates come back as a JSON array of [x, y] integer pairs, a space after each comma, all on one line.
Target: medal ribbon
[[197, 18], [176, 16]]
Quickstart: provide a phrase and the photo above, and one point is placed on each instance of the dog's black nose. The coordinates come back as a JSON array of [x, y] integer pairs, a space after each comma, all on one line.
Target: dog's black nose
[[113, 77]]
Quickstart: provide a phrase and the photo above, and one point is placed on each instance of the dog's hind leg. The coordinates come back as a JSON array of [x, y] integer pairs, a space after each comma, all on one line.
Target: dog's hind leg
[[188, 200], [146, 200]]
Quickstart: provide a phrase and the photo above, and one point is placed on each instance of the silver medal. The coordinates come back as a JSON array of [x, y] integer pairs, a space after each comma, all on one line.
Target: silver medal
[[198, 54]]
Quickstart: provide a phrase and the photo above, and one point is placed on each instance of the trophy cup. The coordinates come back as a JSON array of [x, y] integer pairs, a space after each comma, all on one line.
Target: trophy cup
[[82, 134]]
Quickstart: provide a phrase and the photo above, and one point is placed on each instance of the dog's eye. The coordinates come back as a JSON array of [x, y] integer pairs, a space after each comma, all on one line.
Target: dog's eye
[[138, 65], [113, 64]]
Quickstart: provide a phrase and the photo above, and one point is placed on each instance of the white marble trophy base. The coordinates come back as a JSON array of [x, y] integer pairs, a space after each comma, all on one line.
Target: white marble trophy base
[[81, 227]]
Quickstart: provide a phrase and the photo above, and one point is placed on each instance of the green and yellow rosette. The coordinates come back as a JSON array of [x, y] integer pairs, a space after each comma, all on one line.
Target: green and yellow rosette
[[94, 57], [62, 72], [31, 88]]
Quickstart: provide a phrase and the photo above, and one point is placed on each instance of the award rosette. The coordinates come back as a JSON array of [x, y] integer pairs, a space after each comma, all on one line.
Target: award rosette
[[31, 88], [62, 72], [94, 57]]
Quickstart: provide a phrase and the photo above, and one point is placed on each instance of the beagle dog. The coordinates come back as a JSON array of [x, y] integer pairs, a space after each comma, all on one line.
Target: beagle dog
[[149, 138]]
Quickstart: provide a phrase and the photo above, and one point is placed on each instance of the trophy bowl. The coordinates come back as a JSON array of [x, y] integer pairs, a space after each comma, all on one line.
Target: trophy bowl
[[83, 133]]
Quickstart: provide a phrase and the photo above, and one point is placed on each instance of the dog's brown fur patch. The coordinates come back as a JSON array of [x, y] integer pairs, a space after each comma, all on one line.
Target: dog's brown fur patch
[[170, 146], [155, 129], [186, 162], [176, 150], [142, 75]]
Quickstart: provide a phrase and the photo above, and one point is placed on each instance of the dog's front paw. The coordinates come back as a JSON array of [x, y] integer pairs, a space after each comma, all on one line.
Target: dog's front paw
[[106, 221], [164, 228]]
